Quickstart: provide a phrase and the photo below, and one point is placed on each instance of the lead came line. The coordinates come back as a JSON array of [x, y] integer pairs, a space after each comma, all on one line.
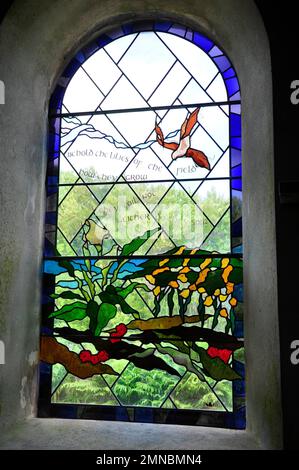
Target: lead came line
[[148, 108]]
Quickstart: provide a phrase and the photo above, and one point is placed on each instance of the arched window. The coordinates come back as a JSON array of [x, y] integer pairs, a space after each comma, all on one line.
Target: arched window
[[142, 312]]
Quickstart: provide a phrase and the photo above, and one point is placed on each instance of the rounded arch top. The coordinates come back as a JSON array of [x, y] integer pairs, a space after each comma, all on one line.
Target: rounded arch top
[[195, 52]]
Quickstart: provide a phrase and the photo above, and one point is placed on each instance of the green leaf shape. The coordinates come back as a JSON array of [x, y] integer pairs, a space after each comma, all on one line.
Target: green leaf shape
[[232, 317], [216, 368], [71, 312], [92, 312], [239, 355], [68, 266], [157, 303], [99, 249], [86, 252], [67, 295], [105, 313], [170, 302], [147, 360], [157, 307], [124, 292], [228, 325], [176, 341], [88, 264], [187, 302], [180, 359], [105, 272], [136, 243], [83, 292], [215, 318], [201, 310], [116, 271], [89, 283], [181, 304], [111, 296]]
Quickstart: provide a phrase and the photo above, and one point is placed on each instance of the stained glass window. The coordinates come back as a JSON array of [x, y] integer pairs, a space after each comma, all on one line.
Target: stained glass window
[[142, 316]]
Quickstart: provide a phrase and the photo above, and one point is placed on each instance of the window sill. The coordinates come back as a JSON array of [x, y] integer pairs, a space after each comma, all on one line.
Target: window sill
[[62, 434]]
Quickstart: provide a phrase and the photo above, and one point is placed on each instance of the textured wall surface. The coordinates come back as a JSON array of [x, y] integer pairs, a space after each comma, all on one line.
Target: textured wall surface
[[36, 41]]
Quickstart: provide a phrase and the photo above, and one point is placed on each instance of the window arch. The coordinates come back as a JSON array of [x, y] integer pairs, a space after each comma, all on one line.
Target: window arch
[[143, 250]]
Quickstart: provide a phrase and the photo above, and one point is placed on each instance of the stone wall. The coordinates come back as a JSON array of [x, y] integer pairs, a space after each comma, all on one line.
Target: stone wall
[[37, 39]]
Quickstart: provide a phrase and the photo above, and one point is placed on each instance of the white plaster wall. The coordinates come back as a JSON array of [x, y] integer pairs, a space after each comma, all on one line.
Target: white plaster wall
[[37, 39]]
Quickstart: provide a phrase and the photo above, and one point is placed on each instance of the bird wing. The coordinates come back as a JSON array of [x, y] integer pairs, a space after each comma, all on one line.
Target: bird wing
[[183, 129], [170, 145], [199, 158], [159, 135], [189, 123], [160, 139]]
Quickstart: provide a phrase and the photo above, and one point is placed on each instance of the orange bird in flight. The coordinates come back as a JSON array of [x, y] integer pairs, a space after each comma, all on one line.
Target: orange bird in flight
[[183, 149]]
